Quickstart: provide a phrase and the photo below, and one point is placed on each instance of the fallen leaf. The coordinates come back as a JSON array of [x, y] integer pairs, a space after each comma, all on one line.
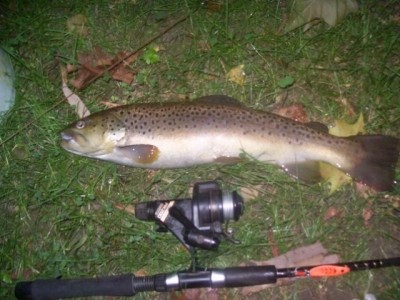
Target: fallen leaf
[[314, 254], [274, 247], [306, 12], [342, 128], [203, 46], [200, 294], [94, 63], [237, 75], [129, 208], [213, 5], [364, 191], [72, 98], [367, 214], [332, 212], [141, 272], [286, 82], [251, 192], [333, 175], [394, 200], [348, 106], [295, 112], [77, 24], [109, 104]]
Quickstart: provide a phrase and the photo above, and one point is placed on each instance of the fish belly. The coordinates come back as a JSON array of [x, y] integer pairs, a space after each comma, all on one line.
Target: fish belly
[[207, 148]]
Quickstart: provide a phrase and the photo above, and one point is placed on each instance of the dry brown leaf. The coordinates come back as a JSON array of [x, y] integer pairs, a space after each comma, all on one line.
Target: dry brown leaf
[[203, 46], [274, 247], [295, 112], [213, 5], [364, 191], [237, 75], [200, 294], [77, 24], [109, 104], [97, 61], [332, 212], [250, 192], [72, 98], [367, 215], [129, 208], [348, 106], [393, 200], [141, 272], [314, 254]]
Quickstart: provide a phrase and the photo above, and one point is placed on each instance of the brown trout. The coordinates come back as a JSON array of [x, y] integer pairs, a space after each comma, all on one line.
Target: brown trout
[[219, 129]]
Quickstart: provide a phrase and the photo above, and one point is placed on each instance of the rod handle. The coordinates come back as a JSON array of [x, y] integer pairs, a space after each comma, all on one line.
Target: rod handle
[[49, 289]]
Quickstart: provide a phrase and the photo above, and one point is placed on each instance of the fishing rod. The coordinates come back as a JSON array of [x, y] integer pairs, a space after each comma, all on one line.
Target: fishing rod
[[198, 223], [130, 285]]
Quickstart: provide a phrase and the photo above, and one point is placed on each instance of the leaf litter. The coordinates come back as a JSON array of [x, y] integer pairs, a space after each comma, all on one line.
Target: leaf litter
[[314, 254], [73, 99], [77, 24], [237, 74], [96, 62]]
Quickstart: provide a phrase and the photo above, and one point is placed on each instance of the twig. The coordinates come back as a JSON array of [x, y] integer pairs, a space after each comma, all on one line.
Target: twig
[[136, 51], [31, 122], [98, 75]]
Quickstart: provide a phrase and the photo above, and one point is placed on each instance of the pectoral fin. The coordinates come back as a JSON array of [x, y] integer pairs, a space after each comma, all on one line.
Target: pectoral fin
[[143, 154], [308, 172]]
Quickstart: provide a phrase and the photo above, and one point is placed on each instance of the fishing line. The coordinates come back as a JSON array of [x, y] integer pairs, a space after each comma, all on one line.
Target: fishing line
[[148, 42]]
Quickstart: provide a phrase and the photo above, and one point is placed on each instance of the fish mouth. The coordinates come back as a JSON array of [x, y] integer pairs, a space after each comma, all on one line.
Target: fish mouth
[[66, 137], [70, 141], [77, 143]]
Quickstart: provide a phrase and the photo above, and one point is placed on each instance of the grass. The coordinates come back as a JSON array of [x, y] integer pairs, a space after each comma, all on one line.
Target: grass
[[58, 211]]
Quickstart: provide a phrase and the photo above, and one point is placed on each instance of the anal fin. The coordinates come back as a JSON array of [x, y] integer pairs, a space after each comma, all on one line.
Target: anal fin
[[228, 160], [308, 171]]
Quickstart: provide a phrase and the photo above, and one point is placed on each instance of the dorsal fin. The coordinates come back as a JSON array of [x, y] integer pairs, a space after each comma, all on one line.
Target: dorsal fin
[[318, 126], [219, 99]]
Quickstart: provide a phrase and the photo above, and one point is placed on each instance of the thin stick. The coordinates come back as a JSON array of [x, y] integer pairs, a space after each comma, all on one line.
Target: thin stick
[[31, 122], [99, 75], [136, 51]]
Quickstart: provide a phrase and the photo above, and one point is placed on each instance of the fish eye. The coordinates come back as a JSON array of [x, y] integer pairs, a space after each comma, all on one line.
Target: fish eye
[[80, 124]]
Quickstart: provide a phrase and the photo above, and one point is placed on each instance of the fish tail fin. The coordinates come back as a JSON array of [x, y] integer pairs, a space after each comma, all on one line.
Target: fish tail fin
[[376, 165]]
